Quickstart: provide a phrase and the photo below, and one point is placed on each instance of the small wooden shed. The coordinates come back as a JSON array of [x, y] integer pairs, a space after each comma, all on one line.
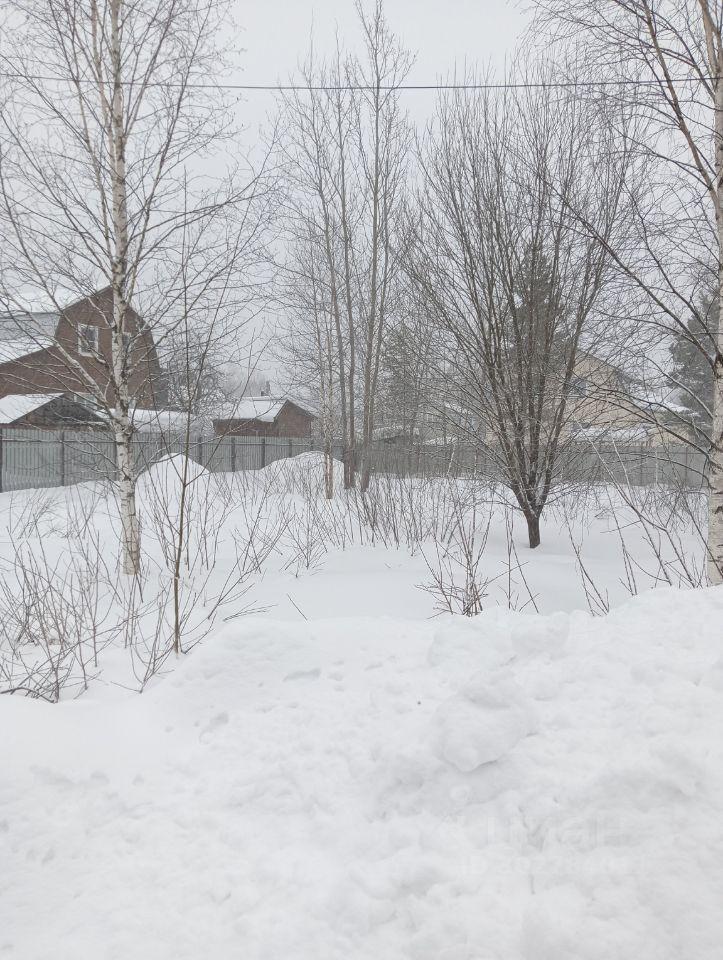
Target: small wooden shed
[[49, 411]]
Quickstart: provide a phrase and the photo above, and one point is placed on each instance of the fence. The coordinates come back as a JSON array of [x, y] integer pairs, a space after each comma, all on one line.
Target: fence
[[50, 458]]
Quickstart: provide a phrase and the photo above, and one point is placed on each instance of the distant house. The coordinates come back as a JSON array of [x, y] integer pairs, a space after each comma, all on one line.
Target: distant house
[[606, 405], [45, 410], [41, 353], [264, 417]]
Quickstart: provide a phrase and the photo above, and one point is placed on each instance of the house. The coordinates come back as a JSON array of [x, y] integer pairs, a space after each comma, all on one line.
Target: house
[[46, 410], [607, 405], [54, 352], [264, 417]]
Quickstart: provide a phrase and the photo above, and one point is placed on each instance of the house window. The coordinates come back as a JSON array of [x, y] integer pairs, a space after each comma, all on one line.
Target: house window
[[88, 340], [579, 387], [127, 341]]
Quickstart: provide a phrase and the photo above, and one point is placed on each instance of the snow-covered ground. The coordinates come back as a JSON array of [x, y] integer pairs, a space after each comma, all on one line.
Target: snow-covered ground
[[345, 776]]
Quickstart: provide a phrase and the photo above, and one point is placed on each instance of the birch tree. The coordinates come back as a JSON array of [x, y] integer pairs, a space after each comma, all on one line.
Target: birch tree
[[111, 106], [664, 60], [346, 143], [317, 149], [384, 146]]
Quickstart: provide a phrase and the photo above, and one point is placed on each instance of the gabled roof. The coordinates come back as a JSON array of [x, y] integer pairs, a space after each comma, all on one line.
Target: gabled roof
[[22, 347], [17, 405], [31, 325], [264, 409], [167, 421]]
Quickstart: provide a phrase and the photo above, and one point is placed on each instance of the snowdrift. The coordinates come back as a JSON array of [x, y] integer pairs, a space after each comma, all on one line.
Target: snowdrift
[[302, 474], [511, 787]]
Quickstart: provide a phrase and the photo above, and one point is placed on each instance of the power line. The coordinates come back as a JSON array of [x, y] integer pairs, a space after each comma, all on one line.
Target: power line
[[356, 87]]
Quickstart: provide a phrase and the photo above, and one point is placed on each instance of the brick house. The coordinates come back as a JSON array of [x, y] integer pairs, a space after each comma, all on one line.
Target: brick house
[[264, 417], [40, 352]]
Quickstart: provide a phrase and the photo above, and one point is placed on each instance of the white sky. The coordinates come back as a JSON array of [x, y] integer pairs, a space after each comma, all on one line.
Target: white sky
[[443, 33]]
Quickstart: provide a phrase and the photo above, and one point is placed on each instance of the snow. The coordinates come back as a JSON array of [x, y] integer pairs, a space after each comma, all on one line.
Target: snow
[[347, 776], [482, 723], [17, 405], [265, 409], [168, 421], [305, 789]]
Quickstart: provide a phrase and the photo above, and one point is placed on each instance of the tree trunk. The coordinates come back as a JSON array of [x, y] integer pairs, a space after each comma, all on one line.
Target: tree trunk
[[130, 528], [533, 530], [366, 470]]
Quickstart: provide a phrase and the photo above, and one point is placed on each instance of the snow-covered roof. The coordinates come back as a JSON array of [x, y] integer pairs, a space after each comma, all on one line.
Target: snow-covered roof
[[16, 326], [265, 409], [167, 421], [22, 347], [17, 405]]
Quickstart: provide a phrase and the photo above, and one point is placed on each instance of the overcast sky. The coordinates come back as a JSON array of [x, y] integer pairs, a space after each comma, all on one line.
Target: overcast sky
[[442, 33]]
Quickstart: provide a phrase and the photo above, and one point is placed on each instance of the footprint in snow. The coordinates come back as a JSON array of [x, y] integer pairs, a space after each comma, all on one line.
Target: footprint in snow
[[304, 675], [220, 720]]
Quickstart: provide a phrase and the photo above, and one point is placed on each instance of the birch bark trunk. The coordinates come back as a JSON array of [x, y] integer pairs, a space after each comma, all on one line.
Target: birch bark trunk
[[122, 427]]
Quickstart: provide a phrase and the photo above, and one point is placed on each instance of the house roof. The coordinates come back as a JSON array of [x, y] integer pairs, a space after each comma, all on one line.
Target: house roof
[[265, 409], [30, 325], [17, 405], [22, 347], [167, 421]]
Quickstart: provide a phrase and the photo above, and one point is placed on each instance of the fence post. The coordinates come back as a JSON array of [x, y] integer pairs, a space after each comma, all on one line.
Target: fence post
[[263, 451], [291, 447], [233, 454], [2, 460], [62, 458]]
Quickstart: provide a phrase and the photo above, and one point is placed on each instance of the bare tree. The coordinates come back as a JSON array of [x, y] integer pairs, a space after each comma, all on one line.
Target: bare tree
[[502, 266], [384, 144], [664, 60], [317, 129], [99, 184], [346, 142], [310, 357]]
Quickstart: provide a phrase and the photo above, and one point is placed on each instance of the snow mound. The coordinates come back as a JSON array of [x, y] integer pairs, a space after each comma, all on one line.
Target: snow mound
[[166, 476], [160, 488], [517, 788], [302, 474]]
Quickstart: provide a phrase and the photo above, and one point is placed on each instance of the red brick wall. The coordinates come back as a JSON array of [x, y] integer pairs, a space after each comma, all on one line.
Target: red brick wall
[[292, 421]]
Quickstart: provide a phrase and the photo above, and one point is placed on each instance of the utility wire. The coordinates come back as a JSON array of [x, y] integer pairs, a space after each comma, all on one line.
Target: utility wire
[[340, 88]]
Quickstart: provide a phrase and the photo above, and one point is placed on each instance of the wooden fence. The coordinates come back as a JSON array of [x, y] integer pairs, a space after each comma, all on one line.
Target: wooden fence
[[49, 458]]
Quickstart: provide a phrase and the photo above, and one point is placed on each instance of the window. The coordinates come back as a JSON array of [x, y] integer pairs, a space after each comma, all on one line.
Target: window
[[579, 387], [88, 340], [127, 344]]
